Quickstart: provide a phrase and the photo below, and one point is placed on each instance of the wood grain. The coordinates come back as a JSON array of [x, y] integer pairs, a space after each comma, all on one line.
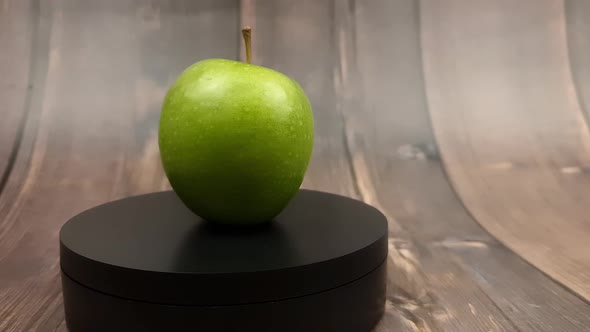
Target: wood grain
[[447, 273], [109, 64], [17, 18], [510, 128]]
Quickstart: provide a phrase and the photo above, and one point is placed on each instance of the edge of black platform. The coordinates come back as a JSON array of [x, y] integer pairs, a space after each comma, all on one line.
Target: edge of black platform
[[354, 307], [227, 288]]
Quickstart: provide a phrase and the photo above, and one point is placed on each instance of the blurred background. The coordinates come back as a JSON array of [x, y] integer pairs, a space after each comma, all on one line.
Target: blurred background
[[464, 121]]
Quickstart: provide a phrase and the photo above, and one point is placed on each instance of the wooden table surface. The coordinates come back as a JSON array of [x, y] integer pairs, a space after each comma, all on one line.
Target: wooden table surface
[[465, 121]]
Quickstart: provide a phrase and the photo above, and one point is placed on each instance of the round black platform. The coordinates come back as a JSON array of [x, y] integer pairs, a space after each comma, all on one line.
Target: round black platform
[[147, 263]]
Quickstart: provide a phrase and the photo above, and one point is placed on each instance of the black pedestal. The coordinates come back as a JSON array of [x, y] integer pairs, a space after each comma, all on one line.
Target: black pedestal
[[146, 263]]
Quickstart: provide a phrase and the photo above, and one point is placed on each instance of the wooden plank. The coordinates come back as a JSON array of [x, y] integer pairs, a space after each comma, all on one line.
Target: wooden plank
[[17, 18], [532, 300], [90, 137], [511, 132], [447, 273]]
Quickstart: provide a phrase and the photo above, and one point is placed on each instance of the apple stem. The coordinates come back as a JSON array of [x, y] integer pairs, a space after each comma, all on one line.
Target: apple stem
[[247, 34]]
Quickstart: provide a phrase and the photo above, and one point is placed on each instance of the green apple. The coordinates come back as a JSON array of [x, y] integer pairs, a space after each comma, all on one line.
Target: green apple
[[235, 140]]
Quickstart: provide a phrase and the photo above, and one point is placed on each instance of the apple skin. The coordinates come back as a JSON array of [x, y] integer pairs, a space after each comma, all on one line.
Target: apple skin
[[235, 140]]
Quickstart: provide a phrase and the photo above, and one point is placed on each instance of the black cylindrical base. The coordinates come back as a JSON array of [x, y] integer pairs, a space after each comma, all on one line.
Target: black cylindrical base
[[354, 307], [147, 263]]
